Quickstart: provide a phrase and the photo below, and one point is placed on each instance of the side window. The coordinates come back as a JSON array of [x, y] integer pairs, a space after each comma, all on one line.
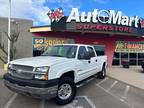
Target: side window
[[81, 53], [100, 50], [72, 52], [91, 51]]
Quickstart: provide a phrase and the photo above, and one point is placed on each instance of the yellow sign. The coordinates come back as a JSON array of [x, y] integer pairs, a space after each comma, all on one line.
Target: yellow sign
[[41, 43], [53, 41], [124, 46]]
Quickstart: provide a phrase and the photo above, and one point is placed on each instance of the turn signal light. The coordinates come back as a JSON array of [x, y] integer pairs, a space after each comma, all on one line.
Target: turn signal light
[[46, 76]]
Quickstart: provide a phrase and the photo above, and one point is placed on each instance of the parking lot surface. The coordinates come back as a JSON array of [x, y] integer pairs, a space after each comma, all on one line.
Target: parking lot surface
[[94, 93]]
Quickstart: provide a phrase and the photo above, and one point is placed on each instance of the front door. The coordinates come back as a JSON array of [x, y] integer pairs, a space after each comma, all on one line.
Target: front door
[[83, 66]]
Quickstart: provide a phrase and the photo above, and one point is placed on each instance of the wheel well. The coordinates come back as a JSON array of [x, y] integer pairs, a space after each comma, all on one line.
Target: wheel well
[[104, 64], [68, 74]]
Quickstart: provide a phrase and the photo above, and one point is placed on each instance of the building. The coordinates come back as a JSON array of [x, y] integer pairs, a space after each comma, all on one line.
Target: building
[[121, 36], [24, 43]]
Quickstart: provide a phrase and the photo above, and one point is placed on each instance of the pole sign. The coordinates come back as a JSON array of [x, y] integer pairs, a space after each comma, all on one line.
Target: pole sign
[[97, 20]]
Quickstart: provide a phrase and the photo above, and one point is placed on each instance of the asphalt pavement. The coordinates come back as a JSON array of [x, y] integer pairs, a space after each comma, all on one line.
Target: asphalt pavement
[[95, 93]]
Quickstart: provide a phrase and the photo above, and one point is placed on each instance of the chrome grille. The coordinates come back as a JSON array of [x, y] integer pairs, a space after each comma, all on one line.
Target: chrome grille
[[21, 71], [22, 67]]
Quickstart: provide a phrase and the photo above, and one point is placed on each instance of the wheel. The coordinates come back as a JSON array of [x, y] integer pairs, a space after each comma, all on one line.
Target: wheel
[[102, 74], [66, 91]]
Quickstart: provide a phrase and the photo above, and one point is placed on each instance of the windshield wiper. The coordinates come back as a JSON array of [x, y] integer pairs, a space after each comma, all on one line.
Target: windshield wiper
[[57, 55], [52, 55]]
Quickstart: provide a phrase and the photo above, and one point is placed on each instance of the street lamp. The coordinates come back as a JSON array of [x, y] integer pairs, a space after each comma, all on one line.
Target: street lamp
[[9, 30]]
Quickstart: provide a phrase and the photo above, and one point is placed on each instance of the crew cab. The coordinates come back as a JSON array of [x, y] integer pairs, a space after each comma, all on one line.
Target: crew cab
[[56, 72]]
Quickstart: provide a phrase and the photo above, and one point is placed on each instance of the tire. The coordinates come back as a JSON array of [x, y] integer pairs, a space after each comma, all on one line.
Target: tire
[[65, 97], [102, 74]]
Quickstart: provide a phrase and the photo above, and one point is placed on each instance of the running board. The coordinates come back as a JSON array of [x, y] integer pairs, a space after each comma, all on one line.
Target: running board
[[85, 81]]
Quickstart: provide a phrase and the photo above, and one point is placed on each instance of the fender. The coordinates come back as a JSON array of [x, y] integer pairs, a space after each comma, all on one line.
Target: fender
[[61, 72]]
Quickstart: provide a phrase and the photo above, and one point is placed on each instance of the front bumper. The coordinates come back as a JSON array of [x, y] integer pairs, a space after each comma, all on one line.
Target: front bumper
[[34, 88]]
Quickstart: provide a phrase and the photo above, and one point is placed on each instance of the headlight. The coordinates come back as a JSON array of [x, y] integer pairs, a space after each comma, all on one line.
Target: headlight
[[41, 73], [9, 67], [42, 69]]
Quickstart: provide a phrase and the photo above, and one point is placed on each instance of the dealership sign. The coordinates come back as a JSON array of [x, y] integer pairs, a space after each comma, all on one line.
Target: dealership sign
[[41, 43], [133, 47], [103, 16], [55, 15], [97, 20]]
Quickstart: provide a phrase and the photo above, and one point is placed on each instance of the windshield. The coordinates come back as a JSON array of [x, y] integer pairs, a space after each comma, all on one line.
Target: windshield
[[68, 51]]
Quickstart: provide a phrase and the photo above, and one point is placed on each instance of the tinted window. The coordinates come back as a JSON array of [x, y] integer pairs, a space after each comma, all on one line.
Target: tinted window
[[124, 55], [116, 55], [91, 51], [72, 52], [82, 51], [100, 50], [68, 51], [133, 55], [116, 62], [141, 55]]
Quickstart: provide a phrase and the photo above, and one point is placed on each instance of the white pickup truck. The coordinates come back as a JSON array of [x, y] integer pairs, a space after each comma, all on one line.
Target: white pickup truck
[[56, 72]]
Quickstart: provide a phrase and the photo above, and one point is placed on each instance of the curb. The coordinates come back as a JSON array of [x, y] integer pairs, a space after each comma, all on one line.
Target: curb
[[125, 82]]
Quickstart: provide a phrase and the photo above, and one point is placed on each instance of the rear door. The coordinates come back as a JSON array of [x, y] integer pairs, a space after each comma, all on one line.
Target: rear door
[[100, 51], [93, 60]]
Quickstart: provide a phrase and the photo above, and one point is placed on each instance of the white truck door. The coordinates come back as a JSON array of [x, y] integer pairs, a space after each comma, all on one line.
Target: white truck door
[[83, 65], [93, 61]]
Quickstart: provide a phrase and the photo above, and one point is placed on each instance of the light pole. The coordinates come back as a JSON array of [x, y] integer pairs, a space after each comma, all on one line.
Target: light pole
[[9, 30]]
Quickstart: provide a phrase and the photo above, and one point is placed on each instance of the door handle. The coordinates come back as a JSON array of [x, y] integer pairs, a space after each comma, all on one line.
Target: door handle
[[96, 60]]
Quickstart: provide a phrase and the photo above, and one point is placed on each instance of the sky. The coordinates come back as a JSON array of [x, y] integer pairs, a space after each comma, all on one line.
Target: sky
[[37, 10]]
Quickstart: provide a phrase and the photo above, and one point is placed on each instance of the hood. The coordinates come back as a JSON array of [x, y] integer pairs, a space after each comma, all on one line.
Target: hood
[[39, 61]]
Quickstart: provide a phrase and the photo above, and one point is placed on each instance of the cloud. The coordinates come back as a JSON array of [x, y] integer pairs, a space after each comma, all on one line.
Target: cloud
[[35, 10], [28, 9], [102, 1]]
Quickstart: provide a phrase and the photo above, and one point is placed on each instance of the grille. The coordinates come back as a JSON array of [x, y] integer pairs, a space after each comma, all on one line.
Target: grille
[[21, 67], [21, 71]]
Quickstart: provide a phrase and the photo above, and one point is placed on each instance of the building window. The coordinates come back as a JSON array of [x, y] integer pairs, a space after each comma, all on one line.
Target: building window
[[133, 62], [133, 58], [116, 55], [140, 58], [116, 62], [133, 55], [116, 59], [124, 56]]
